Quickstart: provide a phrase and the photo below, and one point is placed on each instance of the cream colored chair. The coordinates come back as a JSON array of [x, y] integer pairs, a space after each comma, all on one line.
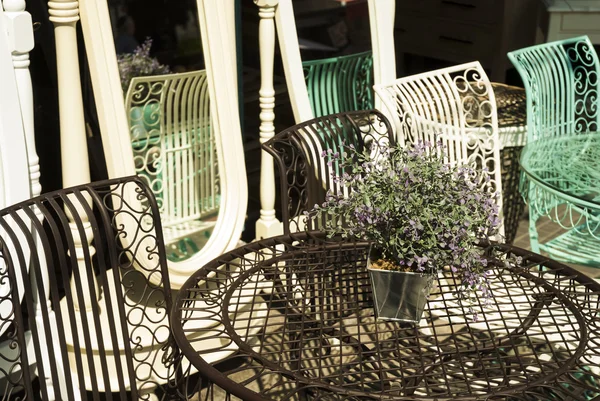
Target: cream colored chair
[[455, 105]]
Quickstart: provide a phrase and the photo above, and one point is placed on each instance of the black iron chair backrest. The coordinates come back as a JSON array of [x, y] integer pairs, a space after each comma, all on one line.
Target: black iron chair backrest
[[305, 176], [111, 335]]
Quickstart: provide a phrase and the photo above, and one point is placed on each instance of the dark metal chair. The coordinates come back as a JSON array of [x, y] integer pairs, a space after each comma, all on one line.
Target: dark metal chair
[[305, 176], [85, 297]]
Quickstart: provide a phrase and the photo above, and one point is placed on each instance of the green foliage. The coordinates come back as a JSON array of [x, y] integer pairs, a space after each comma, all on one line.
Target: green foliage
[[418, 211]]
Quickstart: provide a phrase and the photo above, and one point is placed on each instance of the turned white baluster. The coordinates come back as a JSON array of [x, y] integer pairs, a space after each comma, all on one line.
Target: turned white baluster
[[64, 14], [20, 34], [267, 225], [381, 22]]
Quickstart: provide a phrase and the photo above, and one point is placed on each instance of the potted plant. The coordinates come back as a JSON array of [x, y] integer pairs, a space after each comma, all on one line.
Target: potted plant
[[421, 214]]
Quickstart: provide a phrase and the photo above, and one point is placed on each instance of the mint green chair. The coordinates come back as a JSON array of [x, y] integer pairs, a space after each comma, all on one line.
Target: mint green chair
[[561, 81], [340, 84]]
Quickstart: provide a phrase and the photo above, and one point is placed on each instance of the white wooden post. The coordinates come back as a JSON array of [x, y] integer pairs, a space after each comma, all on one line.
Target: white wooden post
[[217, 27], [64, 14], [292, 61], [20, 33], [267, 225], [381, 23], [14, 172], [13, 164]]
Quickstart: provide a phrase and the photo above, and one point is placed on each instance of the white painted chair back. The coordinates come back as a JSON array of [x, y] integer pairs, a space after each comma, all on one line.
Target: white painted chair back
[[174, 148], [455, 105], [381, 24]]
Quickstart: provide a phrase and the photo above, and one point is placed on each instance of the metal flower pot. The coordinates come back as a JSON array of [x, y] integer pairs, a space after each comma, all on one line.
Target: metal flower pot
[[399, 296]]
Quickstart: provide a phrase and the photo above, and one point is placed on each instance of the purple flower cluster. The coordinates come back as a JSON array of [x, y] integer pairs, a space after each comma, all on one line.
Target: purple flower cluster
[[139, 64], [418, 211]]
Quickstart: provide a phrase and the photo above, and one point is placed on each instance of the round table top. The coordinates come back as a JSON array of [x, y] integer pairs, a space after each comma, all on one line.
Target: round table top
[[291, 318], [567, 166]]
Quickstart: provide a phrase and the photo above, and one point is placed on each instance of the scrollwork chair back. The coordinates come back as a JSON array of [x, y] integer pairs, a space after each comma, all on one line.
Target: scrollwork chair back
[[562, 81], [174, 148], [455, 105], [305, 176], [108, 322]]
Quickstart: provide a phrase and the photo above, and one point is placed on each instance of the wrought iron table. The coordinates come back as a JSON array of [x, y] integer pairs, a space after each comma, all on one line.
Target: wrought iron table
[[512, 130], [561, 180], [310, 332]]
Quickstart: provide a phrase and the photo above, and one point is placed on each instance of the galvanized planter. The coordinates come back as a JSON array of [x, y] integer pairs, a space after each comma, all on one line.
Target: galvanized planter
[[399, 296]]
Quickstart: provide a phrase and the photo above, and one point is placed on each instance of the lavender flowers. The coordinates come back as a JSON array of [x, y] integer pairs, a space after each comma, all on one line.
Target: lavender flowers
[[139, 64], [419, 212]]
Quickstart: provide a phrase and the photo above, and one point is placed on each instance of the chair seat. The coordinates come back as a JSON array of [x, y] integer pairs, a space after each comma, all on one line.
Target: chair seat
[[577, 245]]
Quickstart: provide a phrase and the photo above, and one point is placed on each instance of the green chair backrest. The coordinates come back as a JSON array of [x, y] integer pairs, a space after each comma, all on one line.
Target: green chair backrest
[[174, 145], [561, 81], [340, 84]]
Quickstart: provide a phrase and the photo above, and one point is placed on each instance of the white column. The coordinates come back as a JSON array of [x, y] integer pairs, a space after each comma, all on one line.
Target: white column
[[381, 22], [20, 33], [64, 14], [292, 61], [267, 225]]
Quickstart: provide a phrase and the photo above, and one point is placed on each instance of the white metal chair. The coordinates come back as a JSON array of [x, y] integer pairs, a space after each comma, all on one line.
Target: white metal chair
[[456, 105], [278, 17], [174, 149], [216, 25], [216, 20]]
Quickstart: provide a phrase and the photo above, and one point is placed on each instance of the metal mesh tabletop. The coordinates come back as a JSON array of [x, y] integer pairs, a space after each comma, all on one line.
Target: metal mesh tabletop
[[291, 318], [510, 101]]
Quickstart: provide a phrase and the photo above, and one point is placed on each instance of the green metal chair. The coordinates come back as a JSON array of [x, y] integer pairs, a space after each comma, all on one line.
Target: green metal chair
[[561, 80], [340, 84]]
